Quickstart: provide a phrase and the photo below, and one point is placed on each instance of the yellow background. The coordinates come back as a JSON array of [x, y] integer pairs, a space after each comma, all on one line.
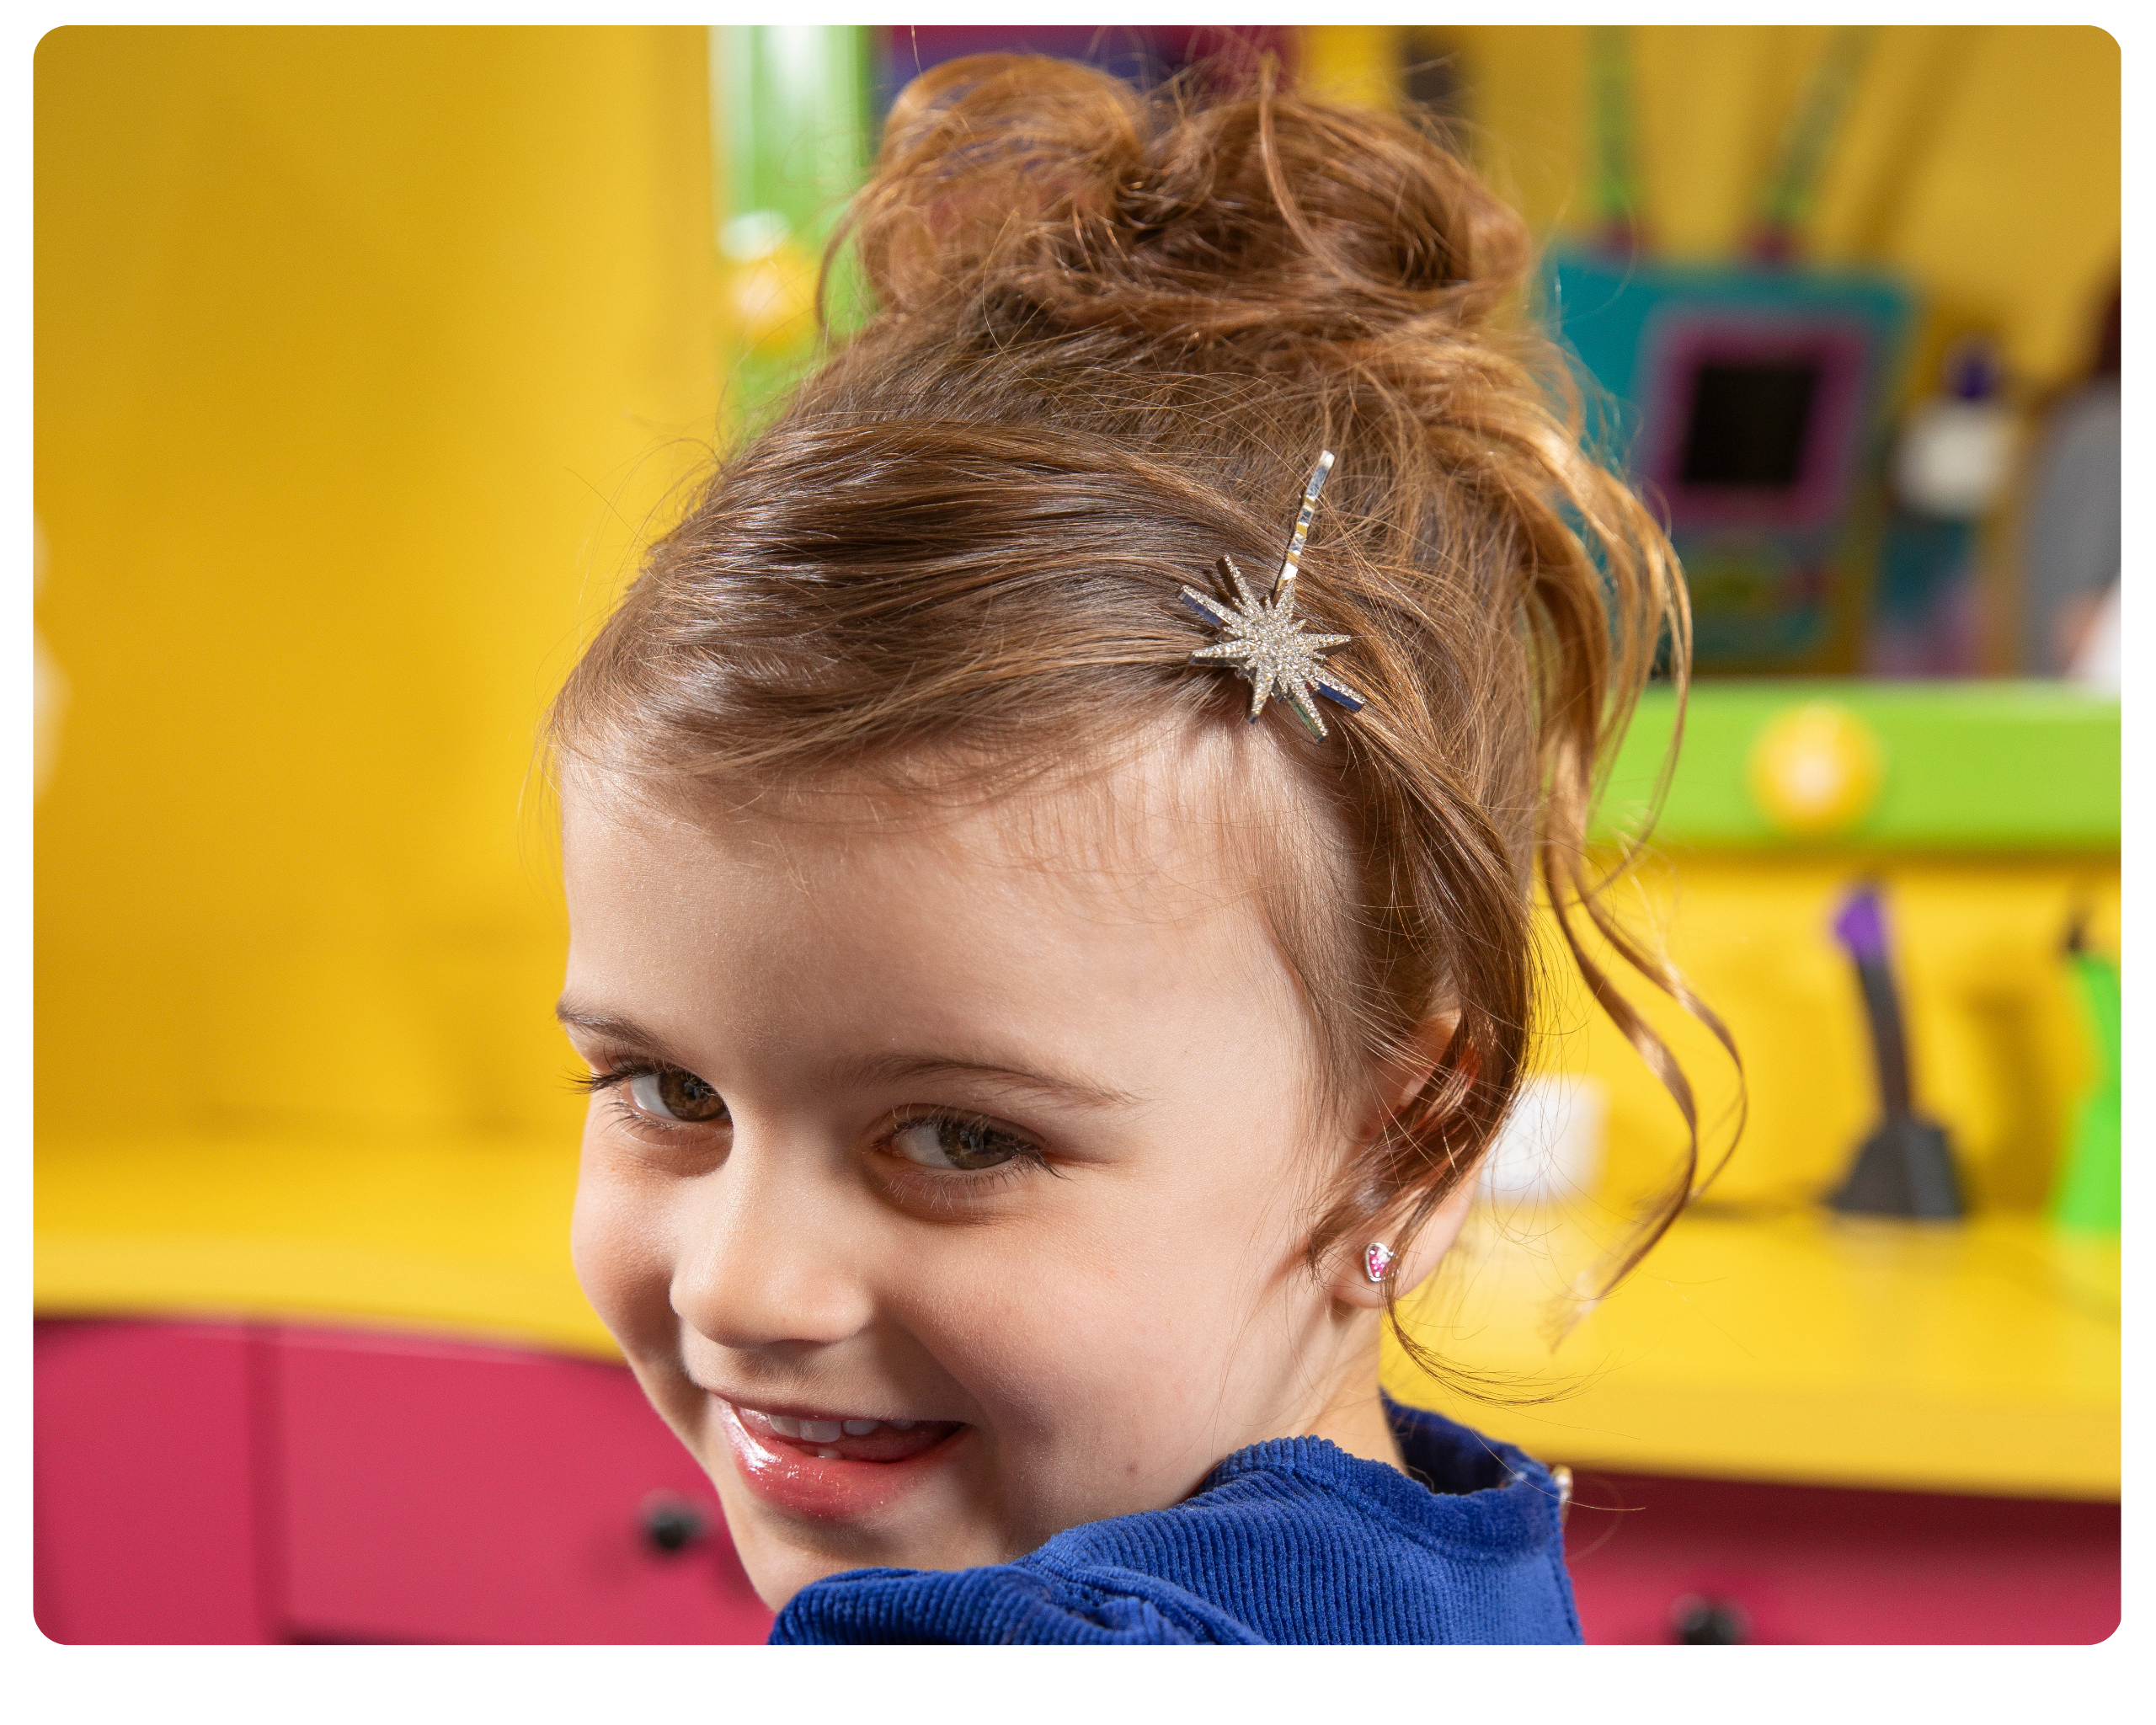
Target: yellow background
[[363, 356]]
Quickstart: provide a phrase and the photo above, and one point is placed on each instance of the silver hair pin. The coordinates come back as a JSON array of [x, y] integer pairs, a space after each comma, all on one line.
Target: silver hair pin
[[1262, 642]]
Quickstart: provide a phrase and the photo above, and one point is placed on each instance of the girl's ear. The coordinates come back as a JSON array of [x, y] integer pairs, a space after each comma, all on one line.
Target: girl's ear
[[1404, 1079], [1350, 1282], [1400, 1086]]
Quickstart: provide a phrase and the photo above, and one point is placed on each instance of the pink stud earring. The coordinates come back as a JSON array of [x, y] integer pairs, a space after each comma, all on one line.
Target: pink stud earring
[[1377, 1260]]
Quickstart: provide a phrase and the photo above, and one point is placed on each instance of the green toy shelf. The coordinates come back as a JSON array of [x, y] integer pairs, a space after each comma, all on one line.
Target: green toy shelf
[[1978, 766]]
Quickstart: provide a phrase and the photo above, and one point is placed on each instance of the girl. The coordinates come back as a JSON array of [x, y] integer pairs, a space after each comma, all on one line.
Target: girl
[[1049, 966]]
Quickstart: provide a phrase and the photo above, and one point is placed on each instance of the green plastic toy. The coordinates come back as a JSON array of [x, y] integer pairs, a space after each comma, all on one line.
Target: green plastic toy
[[2087, 1196]]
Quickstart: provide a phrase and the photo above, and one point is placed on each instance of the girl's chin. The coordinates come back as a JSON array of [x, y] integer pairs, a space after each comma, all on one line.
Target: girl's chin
[[844, 1480]]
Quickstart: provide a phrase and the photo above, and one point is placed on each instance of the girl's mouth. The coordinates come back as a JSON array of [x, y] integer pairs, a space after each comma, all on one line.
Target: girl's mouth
[[833, 1467]]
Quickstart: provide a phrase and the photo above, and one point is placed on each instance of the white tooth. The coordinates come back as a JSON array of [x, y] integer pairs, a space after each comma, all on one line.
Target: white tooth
[[820, 1431], [784, 1426], [902, 1425], [828, 1455], [860, 1428]]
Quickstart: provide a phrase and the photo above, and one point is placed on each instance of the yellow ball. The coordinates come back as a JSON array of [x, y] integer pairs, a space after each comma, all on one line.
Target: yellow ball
[[1816, 769], [774, 298]]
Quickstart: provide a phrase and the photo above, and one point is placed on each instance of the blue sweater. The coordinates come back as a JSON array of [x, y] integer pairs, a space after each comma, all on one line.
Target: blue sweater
[[1289, 1541]]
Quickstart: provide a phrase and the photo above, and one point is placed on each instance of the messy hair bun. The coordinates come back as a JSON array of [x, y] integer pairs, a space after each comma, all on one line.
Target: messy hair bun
[[1278, 230], [1112, 333]]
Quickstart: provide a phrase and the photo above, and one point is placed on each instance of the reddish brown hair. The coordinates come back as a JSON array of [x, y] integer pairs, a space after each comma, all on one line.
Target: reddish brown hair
[[1112, 334]]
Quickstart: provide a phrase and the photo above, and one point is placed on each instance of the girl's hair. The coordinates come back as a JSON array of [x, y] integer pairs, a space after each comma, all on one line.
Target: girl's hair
[[1112, 333]]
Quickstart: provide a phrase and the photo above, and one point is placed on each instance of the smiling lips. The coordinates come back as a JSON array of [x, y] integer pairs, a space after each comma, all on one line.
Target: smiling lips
[[879, 1440], [832, 1468]]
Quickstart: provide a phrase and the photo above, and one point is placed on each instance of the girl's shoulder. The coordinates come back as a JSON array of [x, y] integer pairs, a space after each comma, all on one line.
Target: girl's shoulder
[[1035, 1601], [1292, 1540]]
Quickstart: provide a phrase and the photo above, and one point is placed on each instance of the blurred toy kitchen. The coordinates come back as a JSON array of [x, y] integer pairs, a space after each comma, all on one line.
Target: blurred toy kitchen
[[367, 357]]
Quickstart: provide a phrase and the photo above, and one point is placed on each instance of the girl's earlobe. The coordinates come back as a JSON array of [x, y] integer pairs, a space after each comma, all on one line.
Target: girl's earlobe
[[1373, 1270], [1366, 1274]]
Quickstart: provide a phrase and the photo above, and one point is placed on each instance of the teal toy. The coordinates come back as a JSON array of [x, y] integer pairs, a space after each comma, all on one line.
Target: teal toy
[[1749, 401]]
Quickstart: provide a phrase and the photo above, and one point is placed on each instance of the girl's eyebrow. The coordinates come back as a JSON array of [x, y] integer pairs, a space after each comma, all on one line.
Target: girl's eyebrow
[[624, 1032], [867, 1069], [895, 1067]]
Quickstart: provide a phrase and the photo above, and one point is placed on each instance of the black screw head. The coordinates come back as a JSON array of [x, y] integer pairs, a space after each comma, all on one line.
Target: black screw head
[[1702, 1622], [670, 1523]]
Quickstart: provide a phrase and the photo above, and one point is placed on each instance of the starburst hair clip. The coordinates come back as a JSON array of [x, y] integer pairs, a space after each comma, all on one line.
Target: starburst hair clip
[[1262, 640]]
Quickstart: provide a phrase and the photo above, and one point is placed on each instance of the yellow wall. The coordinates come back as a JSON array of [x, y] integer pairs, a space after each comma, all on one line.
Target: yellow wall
[[1982, 159], [362, 356], [1999, 1050], [2138, 46]]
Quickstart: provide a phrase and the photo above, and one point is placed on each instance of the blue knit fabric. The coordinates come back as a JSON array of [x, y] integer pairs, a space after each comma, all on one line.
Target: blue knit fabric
[[1290, 1540]]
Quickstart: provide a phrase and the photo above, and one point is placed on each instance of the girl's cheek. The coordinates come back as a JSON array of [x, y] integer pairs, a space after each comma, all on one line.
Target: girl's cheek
[[619, 1245], [1047, 1337]]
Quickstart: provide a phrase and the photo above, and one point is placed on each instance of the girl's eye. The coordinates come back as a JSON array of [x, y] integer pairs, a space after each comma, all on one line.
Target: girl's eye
[[674, 1095], [940, 1142]]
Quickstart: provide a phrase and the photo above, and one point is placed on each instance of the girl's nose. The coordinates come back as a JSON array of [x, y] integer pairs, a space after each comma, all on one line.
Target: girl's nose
[[760, 1257]]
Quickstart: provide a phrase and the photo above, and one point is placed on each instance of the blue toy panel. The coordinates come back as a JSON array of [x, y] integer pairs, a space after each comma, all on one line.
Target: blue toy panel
[[1746, 403]]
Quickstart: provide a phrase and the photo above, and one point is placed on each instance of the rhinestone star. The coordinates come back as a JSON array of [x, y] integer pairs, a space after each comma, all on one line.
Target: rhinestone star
[[1263, 641]]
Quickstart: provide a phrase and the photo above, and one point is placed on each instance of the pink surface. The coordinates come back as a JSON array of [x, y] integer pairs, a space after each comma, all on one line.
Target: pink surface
[[439, 1493], [1812, 1564], [199, 1482], [144, 1480]]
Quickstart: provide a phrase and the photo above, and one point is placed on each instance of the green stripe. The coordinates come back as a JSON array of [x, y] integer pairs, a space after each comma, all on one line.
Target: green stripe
[[792, 116], [1974, 766]]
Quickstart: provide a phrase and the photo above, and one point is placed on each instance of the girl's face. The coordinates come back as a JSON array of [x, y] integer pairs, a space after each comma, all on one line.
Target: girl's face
[[943, 1195]]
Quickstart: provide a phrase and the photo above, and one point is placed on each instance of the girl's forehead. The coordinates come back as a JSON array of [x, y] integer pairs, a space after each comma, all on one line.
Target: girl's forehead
[[1161, 834], [1065, 918]]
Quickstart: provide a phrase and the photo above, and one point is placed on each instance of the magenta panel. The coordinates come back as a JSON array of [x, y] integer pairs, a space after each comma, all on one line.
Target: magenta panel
[[1811, 1564], [145, 1521], [441, 1492], [198, 1482]]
